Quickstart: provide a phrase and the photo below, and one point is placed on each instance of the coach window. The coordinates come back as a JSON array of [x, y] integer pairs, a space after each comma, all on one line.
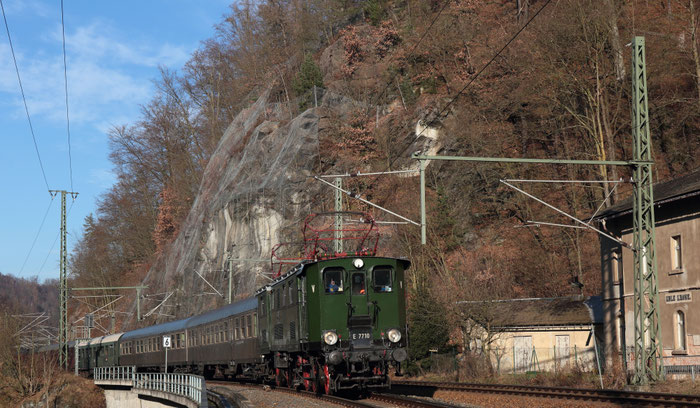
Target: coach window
[[249, 319], [333, 280], [255, 324], [226, 330], [381, 279], [291, 293]]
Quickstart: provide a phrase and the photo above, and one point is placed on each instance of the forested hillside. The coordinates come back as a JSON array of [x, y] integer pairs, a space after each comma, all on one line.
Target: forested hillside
[[25, 296], [453, 71]]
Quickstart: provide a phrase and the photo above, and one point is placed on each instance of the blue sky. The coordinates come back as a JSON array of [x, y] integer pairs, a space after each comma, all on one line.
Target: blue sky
[[114, 49]]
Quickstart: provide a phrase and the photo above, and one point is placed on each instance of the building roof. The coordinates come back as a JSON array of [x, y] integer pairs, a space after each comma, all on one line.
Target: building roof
[[665, 191], [563, 311]]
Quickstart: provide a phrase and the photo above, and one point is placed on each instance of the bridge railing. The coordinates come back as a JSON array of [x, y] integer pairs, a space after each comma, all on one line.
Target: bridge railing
[[189, 386], [121, 373]]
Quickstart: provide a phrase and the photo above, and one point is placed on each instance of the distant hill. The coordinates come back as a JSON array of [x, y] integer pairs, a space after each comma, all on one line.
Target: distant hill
[[20, 295]]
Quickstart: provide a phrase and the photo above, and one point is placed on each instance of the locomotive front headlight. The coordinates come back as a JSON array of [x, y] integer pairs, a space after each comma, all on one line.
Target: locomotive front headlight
[[394, 335], [330, 337]]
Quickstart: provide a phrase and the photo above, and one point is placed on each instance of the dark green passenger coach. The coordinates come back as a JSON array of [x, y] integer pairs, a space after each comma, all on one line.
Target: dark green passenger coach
[[338, 323]]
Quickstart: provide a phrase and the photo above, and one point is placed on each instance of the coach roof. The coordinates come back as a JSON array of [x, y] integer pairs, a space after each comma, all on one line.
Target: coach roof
[[223, 312], [174, 326]]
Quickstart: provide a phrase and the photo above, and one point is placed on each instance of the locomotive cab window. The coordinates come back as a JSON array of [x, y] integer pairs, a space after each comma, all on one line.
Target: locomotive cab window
[[381, 279], [333, 280]]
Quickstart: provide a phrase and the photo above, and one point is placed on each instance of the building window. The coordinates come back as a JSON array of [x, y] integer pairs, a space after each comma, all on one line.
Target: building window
[[676, 253], [619, 331], [680, 330], [616, 266]]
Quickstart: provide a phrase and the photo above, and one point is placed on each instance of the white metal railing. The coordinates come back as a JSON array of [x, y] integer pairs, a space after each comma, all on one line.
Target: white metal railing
[[121, 373], [189, 386]]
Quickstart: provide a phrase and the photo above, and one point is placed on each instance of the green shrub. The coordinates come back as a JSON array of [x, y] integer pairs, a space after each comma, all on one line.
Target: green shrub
[[309, 75]]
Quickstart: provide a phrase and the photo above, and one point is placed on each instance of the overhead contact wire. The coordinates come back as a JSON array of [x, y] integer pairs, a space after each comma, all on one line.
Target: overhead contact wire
[[24, 99], [36, 237], [65, 82], [54, 241]]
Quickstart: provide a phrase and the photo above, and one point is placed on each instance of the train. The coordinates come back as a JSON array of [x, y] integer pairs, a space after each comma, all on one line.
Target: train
[[330, 322]]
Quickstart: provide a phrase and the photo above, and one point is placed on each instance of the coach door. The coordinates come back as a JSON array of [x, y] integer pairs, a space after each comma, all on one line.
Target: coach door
[[358, 282], [360, 323], [301, 301]]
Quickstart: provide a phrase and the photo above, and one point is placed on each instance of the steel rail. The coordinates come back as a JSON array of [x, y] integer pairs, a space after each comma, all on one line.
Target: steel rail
[[604, 395], [219, 400], [398, 400]]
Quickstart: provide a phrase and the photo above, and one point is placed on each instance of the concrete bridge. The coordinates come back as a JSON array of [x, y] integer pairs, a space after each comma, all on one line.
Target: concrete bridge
[[125, 388]]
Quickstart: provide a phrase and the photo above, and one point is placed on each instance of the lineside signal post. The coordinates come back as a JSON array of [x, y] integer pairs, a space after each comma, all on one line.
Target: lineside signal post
[[166, 346]]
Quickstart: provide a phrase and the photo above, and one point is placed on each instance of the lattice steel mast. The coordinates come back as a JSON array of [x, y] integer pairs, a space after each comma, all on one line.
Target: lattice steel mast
[[63, 285], [647, 339]]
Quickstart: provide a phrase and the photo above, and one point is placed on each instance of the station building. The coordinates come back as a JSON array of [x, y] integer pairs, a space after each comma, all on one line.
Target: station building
[[539, 334], [677, 239]]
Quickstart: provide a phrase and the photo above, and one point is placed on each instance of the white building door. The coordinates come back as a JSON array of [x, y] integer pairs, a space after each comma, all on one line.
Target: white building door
[[522, 348], [563, 353]]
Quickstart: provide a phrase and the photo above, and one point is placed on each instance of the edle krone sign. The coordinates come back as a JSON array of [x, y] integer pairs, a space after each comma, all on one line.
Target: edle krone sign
[[680, 297]]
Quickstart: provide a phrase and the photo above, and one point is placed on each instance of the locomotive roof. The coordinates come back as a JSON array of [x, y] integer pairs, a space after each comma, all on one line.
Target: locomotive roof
[[223, 312]]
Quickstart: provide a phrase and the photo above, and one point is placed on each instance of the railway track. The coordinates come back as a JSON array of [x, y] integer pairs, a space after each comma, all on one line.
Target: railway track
[[623, 398], [218, 400], [397, 400]]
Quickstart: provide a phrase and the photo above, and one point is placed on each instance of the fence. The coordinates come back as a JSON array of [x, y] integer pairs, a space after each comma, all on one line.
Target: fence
[[122, 373], [189, 386]]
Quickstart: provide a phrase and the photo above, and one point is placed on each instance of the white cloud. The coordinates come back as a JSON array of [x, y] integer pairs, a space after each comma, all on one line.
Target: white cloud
[[33, 7], [99, 41], [105, 75]]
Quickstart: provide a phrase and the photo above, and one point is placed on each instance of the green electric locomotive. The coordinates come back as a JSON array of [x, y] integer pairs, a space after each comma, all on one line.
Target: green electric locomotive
[[335, 322]]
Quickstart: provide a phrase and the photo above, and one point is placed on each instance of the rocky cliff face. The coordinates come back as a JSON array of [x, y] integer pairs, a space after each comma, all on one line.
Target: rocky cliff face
[[254, 191]]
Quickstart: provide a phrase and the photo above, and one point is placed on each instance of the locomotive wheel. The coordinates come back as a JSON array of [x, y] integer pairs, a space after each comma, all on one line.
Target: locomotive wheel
[[279, 380], [307, 383], [314, 375], [326, 380]]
